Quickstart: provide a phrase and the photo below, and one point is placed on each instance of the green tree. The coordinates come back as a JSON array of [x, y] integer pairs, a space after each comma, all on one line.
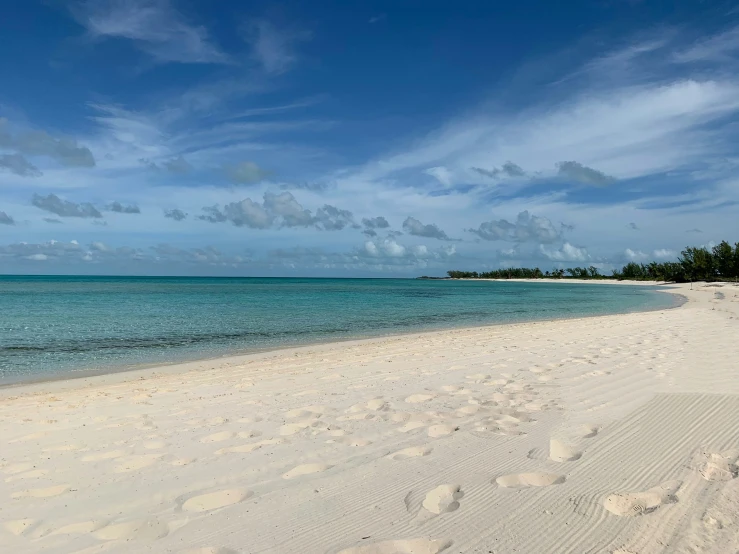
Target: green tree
[[723, 256], [698, 263]]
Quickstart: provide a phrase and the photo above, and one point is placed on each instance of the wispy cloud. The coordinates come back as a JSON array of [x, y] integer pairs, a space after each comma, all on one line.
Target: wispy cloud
[[154, 26], [721, 47], [31, 142], [272, 47]]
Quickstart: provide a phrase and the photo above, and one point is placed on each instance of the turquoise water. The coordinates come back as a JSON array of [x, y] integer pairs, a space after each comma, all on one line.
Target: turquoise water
[[50, 326]]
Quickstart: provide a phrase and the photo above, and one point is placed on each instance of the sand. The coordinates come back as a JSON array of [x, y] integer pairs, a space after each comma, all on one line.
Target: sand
[[615, 434]]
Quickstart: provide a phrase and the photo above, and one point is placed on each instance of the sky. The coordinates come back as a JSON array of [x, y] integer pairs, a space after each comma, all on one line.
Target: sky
[[371, 139]]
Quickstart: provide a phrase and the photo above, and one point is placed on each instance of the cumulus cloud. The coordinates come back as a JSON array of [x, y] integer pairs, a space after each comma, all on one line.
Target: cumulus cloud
[[52, 220], [52, 249], [527, 227], [583, 174], [567, 253], [245, 173], [412, 226], [245, 213], [331, 218], [313, 187], [664, 254], [378, 222], [635, 255], [63, 150], [372, 223], [177, 215], [285, 207], [122, 209], [18, 164], [178, 165], [508, 169], [5, 219], [64, 208]]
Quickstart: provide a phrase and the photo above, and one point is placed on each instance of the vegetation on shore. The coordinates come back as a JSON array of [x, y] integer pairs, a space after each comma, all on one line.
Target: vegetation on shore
[[694, 264]]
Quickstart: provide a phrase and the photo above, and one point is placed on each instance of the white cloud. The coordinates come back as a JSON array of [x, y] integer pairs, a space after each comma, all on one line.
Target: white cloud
[[567, 253], [721, 47], [272, 47], [155, 26], [635, 255], [664, 253], [441, 174]]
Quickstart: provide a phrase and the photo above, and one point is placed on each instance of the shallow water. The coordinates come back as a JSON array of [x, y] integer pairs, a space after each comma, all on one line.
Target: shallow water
[[50, 326]]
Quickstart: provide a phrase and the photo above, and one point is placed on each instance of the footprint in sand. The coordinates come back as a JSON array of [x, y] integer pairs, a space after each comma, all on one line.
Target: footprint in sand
[[351, 441], [103, 456], [80, 528], [441, 430], [251, 434], [306, 469], [41, 493], [409, 546], [135, 463], [16, 468], [181, 462], [714, 466], [209, 550], [61, 448], [638, 503], [18, 527], [218, 437], [245, 448], [377, 404], [561, 452], [139, 529], [588, 431], [27, 475], [419, 398], [254, 419], [293, 428], [411, 452], [444, 498], [411, 426], [215, 500], [536, 479], [307, 411]]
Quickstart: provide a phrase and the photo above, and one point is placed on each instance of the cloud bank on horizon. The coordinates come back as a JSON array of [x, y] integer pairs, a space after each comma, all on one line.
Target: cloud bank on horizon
[[178, 138]]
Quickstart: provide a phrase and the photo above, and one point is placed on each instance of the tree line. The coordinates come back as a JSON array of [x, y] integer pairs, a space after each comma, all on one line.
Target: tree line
[[694, 264]]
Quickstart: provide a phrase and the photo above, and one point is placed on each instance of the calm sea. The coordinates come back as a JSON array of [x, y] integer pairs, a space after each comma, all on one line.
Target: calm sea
[[51, 326]]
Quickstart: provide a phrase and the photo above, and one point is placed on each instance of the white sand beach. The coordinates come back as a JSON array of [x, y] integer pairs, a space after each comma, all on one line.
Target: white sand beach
[[615, 434]]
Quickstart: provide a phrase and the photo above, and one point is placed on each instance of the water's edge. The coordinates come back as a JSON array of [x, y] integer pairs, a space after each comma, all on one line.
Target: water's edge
[[73, 375]]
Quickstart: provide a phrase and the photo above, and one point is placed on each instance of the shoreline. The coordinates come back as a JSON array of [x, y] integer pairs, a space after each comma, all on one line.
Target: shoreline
[[613, 433], [241, 357]]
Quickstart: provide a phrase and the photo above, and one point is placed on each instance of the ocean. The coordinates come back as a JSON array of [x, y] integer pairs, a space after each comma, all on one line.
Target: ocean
[[53, 327]]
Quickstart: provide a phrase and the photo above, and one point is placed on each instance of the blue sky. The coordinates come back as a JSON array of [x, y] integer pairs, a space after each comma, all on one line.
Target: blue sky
[[364, 138]]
